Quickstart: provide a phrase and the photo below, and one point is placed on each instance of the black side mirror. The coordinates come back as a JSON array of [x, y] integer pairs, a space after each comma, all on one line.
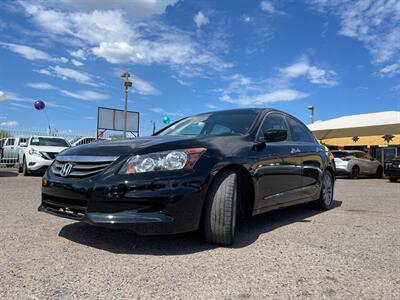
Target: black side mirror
[[275, 135]]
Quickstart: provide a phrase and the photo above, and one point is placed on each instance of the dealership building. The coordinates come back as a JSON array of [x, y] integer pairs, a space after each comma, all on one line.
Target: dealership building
[[376, 133]]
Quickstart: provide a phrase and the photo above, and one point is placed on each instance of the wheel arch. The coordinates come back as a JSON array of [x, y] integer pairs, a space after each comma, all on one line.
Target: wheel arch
[[246, 189]]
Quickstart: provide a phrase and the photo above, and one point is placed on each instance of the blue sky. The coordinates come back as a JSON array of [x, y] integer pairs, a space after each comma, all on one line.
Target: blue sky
[[187, 57]]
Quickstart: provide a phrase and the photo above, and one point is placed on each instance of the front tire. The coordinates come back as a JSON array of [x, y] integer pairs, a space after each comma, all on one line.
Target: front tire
[[326, 196], [220, 210], [25, 170]]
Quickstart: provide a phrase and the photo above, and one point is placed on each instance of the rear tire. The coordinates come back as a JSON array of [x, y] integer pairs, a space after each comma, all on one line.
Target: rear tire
[[326, 196], [355, 172], [220, 210], [25, 170], [379, 172], [393, 179]]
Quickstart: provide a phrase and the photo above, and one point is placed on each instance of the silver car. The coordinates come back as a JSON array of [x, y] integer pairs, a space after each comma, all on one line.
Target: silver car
[[354, 163]]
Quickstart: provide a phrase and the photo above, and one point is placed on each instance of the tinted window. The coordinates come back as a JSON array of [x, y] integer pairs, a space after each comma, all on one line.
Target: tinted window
[[299, 132], [272, 121], [47, 141]]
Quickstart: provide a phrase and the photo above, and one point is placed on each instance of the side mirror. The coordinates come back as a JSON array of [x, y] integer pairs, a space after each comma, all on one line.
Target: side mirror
[[275, 135], [23, 144]]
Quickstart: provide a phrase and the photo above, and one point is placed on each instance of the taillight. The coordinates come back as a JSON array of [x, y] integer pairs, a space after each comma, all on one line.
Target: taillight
[[345, 158]]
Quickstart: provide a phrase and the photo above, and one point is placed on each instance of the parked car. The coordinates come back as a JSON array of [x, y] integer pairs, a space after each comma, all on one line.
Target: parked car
[[39, 153], [392, 169], [354, 163], [201, 171], [10, 150], [82, 140]]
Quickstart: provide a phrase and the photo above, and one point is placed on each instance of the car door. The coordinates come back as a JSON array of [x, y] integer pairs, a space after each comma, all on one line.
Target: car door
[[277, 169], [309, 153], [363, 162], [8, 150]]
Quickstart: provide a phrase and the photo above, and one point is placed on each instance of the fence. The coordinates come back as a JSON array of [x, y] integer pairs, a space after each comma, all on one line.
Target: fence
[[12, 141]]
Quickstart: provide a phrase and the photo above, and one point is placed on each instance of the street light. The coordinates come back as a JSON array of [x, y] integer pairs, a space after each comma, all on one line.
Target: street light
[[311, 108], [127, 85]]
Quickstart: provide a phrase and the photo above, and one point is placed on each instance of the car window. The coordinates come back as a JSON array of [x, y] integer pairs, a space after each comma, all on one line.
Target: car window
[[48, 141], [22, 140], [299, 132], [10, 142], [272, 121]]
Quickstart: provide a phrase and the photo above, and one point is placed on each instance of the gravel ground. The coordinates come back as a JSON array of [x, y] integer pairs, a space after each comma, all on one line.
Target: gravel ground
[[349, 252]]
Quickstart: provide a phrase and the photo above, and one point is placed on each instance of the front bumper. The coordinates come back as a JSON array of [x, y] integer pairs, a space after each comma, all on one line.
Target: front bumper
[[35, 163], [162, 204]]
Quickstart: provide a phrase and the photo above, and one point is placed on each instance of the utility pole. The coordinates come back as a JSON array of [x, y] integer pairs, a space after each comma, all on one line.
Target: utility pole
[[153, 125], [311, 108], [127, 85]]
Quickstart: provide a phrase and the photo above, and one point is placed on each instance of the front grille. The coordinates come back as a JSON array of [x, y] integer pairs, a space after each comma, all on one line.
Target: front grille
[[81, 166], [71, 208]]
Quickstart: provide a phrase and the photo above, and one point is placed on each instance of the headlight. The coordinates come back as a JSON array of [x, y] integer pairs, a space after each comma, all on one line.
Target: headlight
[[35, 152], [162, 161]]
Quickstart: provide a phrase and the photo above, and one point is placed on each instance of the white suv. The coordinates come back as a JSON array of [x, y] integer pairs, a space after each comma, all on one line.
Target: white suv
[[40, 153], [353, 163]]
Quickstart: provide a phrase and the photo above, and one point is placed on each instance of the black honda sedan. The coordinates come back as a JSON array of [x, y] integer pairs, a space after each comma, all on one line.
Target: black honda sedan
[[198, 173]]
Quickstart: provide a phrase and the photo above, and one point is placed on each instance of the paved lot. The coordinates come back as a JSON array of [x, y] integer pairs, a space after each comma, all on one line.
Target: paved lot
[[349, 252]]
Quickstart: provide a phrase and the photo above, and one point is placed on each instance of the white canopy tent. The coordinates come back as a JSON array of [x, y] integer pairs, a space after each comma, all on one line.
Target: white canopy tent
[[380, 123]]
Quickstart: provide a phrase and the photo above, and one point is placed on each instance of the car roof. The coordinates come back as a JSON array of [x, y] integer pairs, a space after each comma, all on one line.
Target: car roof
[[47, 136]]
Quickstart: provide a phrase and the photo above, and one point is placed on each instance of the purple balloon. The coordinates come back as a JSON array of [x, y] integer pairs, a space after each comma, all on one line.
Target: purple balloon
[[39, 105]]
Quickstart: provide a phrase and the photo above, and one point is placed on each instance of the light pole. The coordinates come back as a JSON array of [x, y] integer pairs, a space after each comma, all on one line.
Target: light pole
[[311, 108], [127, 85]]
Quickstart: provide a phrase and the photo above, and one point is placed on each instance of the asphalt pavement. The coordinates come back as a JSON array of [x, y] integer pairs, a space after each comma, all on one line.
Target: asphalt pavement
[[349, 252]]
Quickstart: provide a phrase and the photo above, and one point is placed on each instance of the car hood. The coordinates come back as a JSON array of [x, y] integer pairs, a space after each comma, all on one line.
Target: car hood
[[52, 149], [150, 144]]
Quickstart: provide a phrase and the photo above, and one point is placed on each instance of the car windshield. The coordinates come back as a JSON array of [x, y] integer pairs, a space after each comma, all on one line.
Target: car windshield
[[218, 123], [49, 141]]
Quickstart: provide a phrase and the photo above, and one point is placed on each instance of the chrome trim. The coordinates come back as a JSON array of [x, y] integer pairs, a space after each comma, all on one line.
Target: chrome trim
[[88, 159]]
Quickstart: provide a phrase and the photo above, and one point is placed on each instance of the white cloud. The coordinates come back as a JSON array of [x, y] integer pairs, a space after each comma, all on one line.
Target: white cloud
[[160, 110], [67, 73], [41, 86], [211, 106], [247, 19], [31, 53], [314, 74], [390, 69], [143, 87], [76, 63], [267, 6], [266, 97], [374, 23], [9, 123], [137, 9], [85, 95], [79, 54], [109, 34], [200, 19]]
